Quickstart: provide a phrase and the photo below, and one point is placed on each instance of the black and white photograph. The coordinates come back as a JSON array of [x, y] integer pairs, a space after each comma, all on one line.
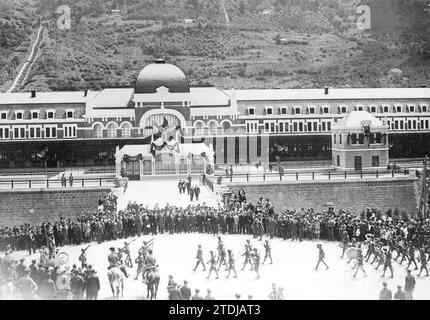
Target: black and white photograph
[[231, 150]]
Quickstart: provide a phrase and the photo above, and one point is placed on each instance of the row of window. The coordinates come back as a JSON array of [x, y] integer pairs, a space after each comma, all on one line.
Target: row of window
[[287, 126], [342, 109], [112, 130], [374, 138], [35, 114], [35, 132]]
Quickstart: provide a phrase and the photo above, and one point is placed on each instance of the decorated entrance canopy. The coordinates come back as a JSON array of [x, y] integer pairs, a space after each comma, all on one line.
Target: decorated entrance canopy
[[186, 150]]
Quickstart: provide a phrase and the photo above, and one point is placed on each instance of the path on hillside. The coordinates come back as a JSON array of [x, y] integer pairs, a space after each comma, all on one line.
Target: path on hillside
[[26, 67], [155, 191]]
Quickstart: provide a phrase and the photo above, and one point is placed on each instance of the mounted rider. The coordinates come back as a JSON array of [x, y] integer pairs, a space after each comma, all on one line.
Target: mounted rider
[[150, 264], [115, 262]]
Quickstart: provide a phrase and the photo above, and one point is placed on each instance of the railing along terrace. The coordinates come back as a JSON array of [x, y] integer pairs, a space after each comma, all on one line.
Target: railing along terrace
[[312, 176], [55, 183]]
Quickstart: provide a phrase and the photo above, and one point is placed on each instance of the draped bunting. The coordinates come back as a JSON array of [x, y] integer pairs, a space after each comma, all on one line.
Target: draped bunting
[[172, 146], [128, 158]]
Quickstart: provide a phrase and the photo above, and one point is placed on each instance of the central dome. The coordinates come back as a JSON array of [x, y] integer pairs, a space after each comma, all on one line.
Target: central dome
[[161, 74]]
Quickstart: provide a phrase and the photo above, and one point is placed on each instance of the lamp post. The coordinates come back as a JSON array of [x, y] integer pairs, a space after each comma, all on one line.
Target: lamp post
[[423, 208]]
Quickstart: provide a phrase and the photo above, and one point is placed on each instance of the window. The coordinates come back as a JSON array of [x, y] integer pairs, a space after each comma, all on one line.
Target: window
[[50, 115], [283, 126], [411, 108], [35, 114], [70, 130], [385, 109], [378, 137], [269, 127], [375, 161], [373, 109], [226, 127], [252, 127], [338, 160], [401, 124], [424, 108], [396, 124], [269, 110], [323, 127], [111, 130], [251, 111], [283, 110], [35, 132], [353, 138], [125, 130], [309, 124], [371, 138], [334, 138], [19, 132], [361, 138], [4, 133], [198, 125], [3, 115], [340, 138], [398, 108], [326, 110], [50, 131], [311, 110], [19, 115], [213, 127], [359, 108], [343, 109], [297, 110]]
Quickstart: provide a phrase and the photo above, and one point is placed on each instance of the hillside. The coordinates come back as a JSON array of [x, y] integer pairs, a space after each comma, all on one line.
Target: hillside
[[267, 44], [17, 25]]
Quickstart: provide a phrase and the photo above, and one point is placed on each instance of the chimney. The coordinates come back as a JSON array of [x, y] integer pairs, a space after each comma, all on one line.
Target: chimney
[[85, 92], [33, 93], [326, 90]]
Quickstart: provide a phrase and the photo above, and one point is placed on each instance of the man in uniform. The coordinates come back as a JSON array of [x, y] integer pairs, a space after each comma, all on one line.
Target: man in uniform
[[387, 263], [423, 259], [199, 258], [150, 263], [359, 265], [268, 252], [140, 261], [248, 255], [256, 258], [231, 264], [321, 256], [126, 250], [83, 259], [222, 256], [114, 261], [345, 241], [411, 257], [212, 265]]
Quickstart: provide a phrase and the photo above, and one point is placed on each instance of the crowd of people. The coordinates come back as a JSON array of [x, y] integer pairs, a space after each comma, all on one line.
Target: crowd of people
[[382, 234]]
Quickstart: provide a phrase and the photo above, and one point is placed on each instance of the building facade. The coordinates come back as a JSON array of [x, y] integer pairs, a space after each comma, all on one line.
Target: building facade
[[84, 128], [360, 143]]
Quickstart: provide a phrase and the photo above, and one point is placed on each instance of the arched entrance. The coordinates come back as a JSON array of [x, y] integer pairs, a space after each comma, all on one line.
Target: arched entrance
[[156, 117]]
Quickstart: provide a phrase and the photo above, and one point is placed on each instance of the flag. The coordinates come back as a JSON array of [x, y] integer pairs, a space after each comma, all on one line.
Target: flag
[[165, 123]]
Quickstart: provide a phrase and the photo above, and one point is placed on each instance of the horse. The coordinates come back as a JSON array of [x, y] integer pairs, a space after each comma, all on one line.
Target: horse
[[116, 280], [152, 280], [7, 288]]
